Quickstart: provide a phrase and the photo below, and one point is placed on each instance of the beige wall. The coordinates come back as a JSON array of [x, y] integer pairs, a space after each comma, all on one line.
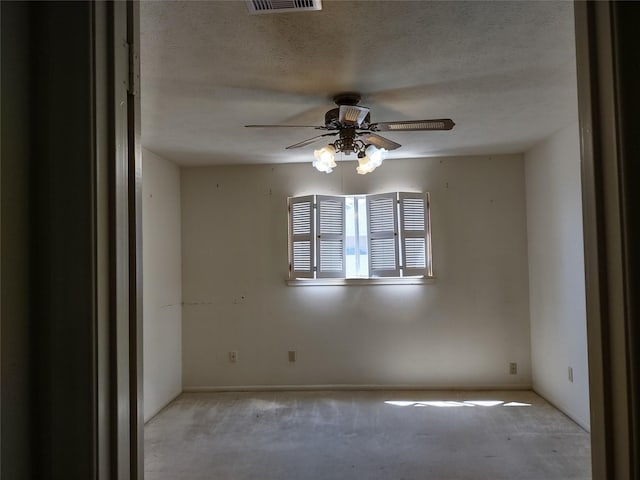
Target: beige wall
[[556, 269], [162, 291], [461, 331]]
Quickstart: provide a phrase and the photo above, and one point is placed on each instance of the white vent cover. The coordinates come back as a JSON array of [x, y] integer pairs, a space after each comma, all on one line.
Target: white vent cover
[[281, 6], [352, 115]]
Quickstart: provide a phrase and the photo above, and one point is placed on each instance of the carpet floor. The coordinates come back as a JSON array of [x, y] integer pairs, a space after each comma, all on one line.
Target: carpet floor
[[374, 435]]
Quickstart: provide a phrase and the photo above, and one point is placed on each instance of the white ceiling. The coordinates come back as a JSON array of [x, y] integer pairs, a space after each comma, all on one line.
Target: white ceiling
[[503, 71]]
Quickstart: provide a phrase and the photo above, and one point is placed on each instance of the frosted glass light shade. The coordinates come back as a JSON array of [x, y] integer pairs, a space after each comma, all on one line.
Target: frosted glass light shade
[[376, 155], [365, 166], [373, 159], [325, 159]]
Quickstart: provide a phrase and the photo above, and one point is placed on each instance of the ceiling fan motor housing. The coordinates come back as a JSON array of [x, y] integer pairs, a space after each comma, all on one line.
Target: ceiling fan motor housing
[[347, 143]]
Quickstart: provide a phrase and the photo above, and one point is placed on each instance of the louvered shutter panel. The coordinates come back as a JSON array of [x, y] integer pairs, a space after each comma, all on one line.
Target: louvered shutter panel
[[414, 234], [382, 235], [330, 230], [301, 237]]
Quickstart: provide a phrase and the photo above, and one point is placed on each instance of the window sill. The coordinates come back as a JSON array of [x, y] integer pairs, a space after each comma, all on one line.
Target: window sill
[[317, 282]]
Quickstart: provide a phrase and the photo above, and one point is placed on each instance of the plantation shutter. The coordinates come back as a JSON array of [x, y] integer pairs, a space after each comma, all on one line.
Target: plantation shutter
[[383, 235], [301, 237], [330, 231], [414, 238]]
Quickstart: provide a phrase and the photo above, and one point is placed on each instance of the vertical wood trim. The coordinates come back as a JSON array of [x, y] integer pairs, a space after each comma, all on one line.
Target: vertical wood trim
[[607, 316], [18, 350], [625, 18], [78, 254], [0, 242], [591, 200], [135, 247], [62, 129], [103, 87], [120, 305]]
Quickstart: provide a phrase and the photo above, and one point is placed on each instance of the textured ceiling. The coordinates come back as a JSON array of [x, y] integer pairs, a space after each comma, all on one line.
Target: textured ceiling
[[503, 71]]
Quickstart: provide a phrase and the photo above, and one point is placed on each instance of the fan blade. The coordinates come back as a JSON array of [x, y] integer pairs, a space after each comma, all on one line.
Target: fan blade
[[379, 141], [413, 125], [286, 126], [352, 115], [309, 141]]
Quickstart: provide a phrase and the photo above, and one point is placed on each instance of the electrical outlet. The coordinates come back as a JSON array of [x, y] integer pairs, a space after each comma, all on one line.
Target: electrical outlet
[[513, 368], [233, 356], [292, 355], [570, 372]]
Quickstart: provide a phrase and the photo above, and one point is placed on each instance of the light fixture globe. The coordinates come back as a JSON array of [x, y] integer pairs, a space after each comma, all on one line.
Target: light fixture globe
[[376, 155], [370, 159], [325, 159], [364, 166]]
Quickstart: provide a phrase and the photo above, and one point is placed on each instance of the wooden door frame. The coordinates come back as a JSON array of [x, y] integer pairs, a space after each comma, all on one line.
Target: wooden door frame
[[84, 201], [611, 262]]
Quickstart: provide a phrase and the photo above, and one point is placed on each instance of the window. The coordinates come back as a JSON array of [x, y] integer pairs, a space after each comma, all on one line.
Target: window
[[359, 236]]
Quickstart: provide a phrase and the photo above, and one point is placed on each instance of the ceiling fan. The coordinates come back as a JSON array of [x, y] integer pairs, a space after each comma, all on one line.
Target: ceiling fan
[[356, 134]]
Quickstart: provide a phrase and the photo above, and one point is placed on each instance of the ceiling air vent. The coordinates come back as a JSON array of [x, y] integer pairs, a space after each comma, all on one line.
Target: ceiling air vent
[[282, 6]]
